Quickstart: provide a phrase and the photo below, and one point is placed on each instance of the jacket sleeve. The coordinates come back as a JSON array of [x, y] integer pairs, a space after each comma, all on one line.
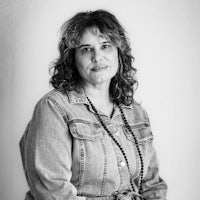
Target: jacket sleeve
[[47, 155], [154, 187]]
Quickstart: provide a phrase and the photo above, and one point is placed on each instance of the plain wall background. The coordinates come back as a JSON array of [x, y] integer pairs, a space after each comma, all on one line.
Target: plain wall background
[[166, 44]]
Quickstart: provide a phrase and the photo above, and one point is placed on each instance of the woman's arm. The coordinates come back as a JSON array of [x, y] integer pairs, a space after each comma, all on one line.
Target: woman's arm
[[47, 155], [153, 186]]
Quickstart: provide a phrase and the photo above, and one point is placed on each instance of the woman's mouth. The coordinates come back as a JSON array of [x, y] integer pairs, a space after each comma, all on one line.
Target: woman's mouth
[[99, 68]]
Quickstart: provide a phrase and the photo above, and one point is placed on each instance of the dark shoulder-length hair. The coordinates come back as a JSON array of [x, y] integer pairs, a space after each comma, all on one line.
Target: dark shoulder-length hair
[[65, 76]]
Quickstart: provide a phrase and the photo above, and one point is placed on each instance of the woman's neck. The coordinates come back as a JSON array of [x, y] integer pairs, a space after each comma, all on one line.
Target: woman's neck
[[100, 98], [98, 93]]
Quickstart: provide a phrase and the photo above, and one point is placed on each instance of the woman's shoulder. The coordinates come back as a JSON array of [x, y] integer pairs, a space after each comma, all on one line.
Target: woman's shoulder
[[64, 97], [140, 110], [53, 98], [137, 105], [54, 94], [63, 102]]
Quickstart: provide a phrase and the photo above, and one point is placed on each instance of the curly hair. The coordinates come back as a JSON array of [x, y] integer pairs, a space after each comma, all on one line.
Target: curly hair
[[65, 76]]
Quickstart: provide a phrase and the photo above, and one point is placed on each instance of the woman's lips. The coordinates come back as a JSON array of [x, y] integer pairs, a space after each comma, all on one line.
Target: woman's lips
[[99, 68]]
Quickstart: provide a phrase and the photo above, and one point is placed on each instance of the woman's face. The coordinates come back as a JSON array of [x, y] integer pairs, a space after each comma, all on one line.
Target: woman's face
[[96, 58]]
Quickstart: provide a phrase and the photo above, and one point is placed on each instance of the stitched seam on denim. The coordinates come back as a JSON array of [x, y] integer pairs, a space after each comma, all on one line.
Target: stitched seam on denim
[[51, 93], [81, 174], [137, 163], [76, 134], [58, 108], [105, 168], [117, 155], [84, 122], [142, 141], [130, 174], [140, 125]]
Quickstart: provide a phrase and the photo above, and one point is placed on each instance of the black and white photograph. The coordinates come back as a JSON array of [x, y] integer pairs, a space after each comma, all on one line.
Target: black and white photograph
[[100, 100]]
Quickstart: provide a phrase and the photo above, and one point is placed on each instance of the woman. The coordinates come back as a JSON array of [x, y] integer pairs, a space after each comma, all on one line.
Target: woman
[[88, 138]]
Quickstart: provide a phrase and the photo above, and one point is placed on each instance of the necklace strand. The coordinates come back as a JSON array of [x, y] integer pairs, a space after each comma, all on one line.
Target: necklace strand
[[137, 147], [118, 144]]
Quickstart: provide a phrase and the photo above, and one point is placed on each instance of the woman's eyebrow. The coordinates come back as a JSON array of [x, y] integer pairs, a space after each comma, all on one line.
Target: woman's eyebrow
[[105, 42], [84, 45], [88, 45]]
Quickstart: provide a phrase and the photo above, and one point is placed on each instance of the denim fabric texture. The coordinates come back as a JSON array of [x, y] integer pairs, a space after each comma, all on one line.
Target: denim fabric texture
[[67, 155]]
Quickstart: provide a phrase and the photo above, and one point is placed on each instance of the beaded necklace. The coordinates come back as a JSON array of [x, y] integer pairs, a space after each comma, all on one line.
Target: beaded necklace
[[119, 145]]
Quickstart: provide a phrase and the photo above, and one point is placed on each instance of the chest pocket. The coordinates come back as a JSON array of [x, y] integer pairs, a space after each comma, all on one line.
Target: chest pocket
[[141, 131], [86, 130]]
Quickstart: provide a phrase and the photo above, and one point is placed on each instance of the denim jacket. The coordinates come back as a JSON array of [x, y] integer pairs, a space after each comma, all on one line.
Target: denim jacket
[[67, 154]]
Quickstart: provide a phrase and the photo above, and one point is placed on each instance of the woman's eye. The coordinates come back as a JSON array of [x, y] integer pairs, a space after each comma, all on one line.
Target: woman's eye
[[105, 46], [85, 50]]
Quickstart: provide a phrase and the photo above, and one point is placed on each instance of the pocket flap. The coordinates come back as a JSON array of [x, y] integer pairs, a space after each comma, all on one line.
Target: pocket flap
[[141, 131], [86, 130]]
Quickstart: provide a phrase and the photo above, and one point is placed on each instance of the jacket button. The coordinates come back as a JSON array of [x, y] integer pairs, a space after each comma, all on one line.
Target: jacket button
[[123, 164]]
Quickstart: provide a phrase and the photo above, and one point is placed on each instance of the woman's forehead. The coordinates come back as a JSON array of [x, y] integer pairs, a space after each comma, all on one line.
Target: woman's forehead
[[95, 31]]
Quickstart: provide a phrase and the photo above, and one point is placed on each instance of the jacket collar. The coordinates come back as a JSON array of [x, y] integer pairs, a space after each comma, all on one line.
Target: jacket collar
[[80, 98], [77, 97]]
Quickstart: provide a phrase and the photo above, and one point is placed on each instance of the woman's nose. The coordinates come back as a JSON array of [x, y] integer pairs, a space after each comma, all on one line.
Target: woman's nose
[[97, 56]]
